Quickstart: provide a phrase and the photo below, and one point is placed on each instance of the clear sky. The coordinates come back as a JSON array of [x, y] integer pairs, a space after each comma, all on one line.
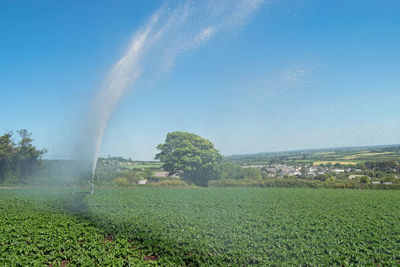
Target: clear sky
[[296, 75]]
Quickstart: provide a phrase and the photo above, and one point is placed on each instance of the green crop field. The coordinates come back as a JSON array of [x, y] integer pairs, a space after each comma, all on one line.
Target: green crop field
[[165, 226]]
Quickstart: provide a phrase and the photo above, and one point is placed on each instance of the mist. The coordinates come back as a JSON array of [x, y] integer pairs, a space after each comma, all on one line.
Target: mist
[[172, 31]]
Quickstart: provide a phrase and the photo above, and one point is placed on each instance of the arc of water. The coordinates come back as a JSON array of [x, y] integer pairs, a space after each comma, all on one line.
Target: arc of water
[[122, 76], [169, 33]]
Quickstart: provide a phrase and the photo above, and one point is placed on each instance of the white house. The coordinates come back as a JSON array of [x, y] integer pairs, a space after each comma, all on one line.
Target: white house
[[338, 171], [144, 181]]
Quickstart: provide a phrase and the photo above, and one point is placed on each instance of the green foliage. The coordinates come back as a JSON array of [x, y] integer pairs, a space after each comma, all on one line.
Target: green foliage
[[172, 183], [251, 173], [18, 162], [364, 180], [383, 166], [303, 183], [27, 155], [192, 157], [121, 182], [275, 182], [6, 154], [41, 229], [200, 227], [147, 174], [323, 177], [228, 170], [134, 177]]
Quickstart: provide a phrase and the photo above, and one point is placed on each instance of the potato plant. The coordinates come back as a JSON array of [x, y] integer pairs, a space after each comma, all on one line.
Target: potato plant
[[166, 226]]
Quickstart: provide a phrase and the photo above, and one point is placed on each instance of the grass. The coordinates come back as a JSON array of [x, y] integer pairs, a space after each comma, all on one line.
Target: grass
[[233, 226]]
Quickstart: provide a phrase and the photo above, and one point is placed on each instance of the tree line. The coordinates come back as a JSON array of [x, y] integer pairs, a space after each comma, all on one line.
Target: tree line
[[18, 160], [196, 161]]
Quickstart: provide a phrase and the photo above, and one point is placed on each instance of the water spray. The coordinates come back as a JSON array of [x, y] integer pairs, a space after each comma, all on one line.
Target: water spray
[[91, 189], [172, 31]]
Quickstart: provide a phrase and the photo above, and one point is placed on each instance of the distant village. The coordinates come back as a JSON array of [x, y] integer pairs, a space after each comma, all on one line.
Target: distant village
[[295, 170], [275, 170], [269, 170]]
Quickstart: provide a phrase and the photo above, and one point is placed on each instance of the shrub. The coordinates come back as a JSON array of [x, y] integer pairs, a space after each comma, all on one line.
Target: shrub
[[121, 182], [172, 183]]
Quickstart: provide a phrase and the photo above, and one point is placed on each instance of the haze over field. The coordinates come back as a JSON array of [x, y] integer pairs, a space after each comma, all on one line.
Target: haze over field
[[252, 76], [171, 32]]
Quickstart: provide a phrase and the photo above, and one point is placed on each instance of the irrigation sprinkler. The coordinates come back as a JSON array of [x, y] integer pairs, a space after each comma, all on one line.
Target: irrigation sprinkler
[[91, 189]]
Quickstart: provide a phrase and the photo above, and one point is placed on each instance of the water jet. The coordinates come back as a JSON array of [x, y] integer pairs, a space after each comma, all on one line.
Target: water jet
[[173, 30]]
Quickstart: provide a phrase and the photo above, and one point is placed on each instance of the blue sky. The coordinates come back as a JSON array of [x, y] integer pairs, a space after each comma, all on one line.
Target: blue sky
[[296, 75]]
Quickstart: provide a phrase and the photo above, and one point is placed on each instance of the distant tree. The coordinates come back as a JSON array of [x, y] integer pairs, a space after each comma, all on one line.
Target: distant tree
[[27, 157], [18, 161], [6, 154], [364, 179], [252, 173], [228, 170], [190, 156], [360, 166], [303, 170], [385, 166], [323, 177], [147, 174], [120, 182]]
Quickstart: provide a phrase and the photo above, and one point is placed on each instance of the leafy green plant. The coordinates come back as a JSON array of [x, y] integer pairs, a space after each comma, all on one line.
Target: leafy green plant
[[199, 226], [121, 181]]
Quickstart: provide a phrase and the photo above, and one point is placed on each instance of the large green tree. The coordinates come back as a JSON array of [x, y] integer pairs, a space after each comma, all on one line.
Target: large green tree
[[190, 156]]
